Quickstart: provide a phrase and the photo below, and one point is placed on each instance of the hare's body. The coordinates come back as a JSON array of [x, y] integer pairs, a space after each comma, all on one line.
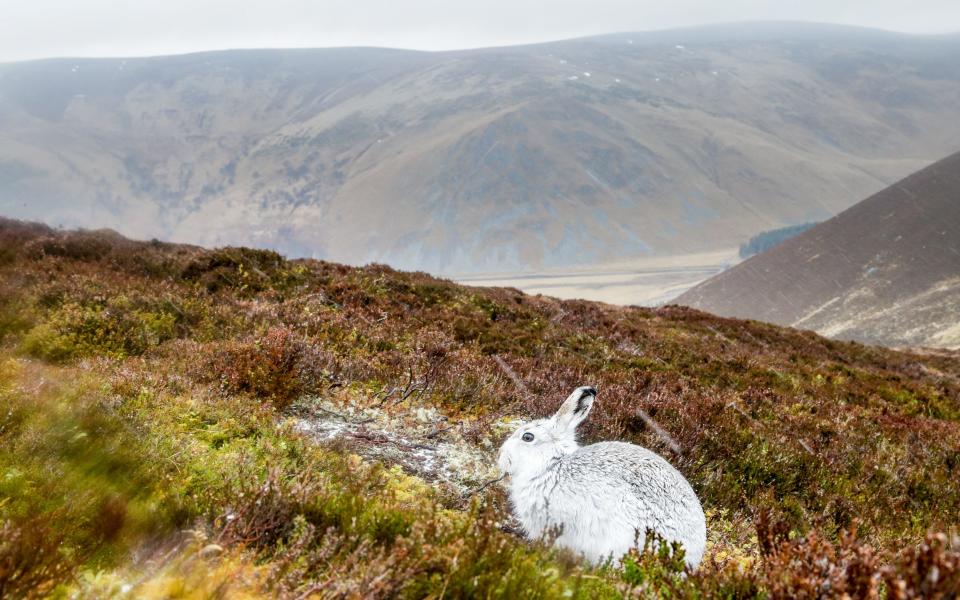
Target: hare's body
[[603, 497], [600, 498]]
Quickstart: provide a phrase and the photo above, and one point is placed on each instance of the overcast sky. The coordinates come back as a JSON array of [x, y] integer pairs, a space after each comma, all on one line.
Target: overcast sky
[[44, 28]]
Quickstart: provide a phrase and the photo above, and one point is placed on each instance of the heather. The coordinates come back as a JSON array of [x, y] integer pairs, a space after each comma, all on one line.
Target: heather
[[182, 422]]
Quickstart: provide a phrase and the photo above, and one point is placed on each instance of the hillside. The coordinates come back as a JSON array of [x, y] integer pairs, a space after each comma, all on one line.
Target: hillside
[[233, 424], [886, 271], [499, 160]]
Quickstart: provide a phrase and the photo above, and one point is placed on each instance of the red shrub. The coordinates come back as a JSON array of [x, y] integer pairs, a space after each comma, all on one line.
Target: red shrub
[[279, 366], [931, 570]]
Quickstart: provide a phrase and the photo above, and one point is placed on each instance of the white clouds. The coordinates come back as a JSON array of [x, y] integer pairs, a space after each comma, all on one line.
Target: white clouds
[[137, 27]]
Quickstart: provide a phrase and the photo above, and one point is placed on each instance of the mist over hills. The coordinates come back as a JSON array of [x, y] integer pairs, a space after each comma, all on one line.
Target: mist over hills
[[885, 271], [508, 159]]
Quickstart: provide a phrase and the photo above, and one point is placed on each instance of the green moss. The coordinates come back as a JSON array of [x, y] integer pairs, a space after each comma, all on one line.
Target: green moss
[[71, 462], [927, 403]]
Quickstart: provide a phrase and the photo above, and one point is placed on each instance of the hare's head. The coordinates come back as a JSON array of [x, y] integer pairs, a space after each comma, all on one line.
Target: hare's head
[[535, 444]]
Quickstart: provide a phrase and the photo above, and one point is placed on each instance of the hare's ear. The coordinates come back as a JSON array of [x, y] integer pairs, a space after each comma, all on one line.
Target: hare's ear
[[575, 408]]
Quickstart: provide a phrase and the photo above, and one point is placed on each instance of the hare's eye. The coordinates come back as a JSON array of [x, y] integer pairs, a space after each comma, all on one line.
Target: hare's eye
[[527, 437]]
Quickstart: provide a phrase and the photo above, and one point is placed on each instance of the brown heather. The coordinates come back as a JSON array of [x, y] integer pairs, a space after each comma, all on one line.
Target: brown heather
[[147, 392]]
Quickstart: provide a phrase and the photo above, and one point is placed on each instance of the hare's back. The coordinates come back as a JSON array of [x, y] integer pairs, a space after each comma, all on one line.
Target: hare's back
[[632, 489], [628, 466]]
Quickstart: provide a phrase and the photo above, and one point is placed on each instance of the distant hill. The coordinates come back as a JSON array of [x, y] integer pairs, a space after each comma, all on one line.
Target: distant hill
[[885, 271], [765, 240], [544, 156]]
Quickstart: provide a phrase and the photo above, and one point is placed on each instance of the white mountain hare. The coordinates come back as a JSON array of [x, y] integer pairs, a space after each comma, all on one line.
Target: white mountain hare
[[602, 497]]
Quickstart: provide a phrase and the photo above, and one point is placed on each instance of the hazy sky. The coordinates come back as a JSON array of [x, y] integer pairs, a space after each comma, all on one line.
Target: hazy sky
[[43, 28]]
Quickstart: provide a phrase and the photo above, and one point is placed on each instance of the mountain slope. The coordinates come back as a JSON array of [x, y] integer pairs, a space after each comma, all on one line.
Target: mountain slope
[[554, 155], [885, 271], [239, 425]]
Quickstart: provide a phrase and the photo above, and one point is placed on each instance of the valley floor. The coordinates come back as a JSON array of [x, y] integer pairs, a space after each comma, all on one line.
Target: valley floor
[[648, 281]]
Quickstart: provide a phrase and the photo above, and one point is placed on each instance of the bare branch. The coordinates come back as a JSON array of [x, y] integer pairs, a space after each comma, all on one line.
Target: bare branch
[[512, 375], [482, 487], [660, 431]]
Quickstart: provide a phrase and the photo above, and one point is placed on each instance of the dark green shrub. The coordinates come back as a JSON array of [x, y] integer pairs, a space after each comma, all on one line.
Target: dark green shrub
[[243, 270]]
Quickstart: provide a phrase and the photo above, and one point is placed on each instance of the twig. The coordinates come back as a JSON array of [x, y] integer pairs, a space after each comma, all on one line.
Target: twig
[[415, 385], [737, 408], [438, 431], [660, 431], [414, 446], [174, 306], [344, 417], [407, 390], [482, 487], [382, 439], [313, 589], [512, 375]]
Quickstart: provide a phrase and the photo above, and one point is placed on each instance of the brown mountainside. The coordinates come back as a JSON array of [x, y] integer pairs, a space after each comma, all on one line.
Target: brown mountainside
[[886, 270]]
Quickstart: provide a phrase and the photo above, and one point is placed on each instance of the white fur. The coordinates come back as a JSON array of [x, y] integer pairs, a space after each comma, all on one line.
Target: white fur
[[602, 497]]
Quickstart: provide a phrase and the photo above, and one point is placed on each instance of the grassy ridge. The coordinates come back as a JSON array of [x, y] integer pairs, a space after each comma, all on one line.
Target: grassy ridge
[[147, 389]]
